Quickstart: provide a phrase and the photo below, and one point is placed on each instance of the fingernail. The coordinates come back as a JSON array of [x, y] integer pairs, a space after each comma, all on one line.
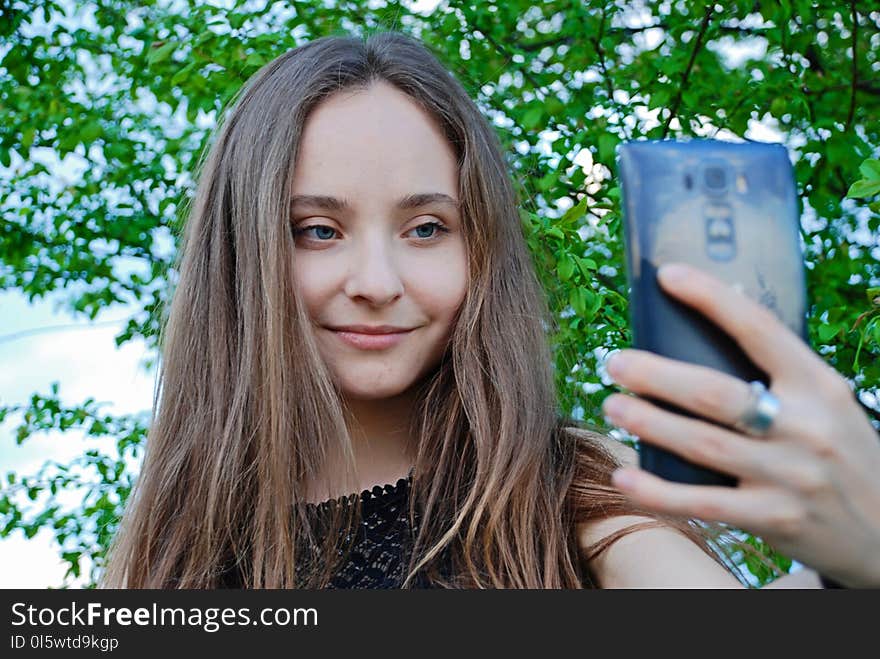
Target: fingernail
[[613, 406], [622, 479], [672, 273], [615, 365]]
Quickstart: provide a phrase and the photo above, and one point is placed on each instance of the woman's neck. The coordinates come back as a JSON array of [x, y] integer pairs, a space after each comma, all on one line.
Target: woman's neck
[[381, 444]]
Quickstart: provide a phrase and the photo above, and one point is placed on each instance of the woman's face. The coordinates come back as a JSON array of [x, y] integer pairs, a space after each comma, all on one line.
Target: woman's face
[[378, 238]]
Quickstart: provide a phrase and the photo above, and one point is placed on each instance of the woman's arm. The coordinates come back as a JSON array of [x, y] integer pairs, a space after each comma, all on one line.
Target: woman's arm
[[803, 578], [662, 557], [658, 557]]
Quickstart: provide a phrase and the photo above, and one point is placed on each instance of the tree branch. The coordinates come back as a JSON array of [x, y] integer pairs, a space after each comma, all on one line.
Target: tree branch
[[687, 72], [600, 51], [855, 66], [630, 31], [867, 86], [501, 49]]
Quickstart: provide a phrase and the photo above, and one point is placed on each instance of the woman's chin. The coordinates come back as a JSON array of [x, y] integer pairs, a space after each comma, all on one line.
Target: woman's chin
[[371, 390]]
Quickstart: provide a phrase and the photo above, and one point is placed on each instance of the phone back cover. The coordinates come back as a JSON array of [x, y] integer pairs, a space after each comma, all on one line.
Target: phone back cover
[[744, 231]]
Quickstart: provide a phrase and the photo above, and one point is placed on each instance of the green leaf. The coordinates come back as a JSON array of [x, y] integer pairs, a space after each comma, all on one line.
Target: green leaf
[[237, 19], [533, 118], [183, 74], [90, 132], [779, 106], [576, 212], [607, 145], [577, 300], [160, 54], [863, 188], [659, 99], [255, 59], [584, 302], [554, 106], [565, 267], [27, 138], [555, 231], [828, 332], [586, 266], [592, 301], [870, 169]]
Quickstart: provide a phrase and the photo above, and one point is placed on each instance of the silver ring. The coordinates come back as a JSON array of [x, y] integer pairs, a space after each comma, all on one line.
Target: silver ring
[[760, 413]]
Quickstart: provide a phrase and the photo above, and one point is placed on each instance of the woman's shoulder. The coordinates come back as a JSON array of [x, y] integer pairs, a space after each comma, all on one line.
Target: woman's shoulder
[[654, 553], [594, 530]]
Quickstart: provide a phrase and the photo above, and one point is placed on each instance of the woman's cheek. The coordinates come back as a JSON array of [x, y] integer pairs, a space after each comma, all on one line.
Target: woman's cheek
[[316, 278], [446, 271]]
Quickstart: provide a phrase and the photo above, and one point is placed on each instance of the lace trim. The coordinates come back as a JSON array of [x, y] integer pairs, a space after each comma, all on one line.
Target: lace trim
[[376, 493]]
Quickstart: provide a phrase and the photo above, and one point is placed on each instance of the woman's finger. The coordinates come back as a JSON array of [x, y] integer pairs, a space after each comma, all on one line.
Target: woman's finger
[[699, 389], [765, 339], [759, 510], [698, 441]]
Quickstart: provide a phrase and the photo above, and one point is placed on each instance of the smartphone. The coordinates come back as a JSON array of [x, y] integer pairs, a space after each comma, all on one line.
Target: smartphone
[[729, 209]]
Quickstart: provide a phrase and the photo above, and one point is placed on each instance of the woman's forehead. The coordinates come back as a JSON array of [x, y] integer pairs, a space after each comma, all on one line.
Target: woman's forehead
[[371, 136]]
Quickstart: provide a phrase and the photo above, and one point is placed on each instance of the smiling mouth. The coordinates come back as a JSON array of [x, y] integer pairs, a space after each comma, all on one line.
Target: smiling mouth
[[363, 341]]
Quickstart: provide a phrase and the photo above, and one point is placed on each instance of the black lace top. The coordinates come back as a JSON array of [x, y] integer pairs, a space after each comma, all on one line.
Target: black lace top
[[382, 547], [377, 557]]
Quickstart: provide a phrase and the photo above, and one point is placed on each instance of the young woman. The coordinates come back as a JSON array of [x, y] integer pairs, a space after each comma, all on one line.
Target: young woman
[[356, 384]]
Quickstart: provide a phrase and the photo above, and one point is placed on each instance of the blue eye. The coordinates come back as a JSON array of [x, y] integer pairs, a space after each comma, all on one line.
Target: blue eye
[[323, 233], [434, 234]]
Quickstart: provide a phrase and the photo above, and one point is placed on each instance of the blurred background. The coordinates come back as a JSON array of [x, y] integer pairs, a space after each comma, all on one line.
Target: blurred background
[[105, 108]]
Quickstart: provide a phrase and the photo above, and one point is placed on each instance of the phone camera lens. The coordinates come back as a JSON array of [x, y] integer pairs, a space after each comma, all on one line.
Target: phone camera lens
[[714, 178]]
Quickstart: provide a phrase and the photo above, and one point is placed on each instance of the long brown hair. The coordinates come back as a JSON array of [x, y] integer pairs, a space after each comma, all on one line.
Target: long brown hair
[[246, 411]]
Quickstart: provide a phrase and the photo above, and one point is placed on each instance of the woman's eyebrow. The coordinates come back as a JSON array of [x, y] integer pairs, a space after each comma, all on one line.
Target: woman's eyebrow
[[425, 198], [408, 202]]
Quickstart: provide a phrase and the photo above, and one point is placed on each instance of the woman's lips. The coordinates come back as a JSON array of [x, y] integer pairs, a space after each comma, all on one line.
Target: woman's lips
[[371, 341]]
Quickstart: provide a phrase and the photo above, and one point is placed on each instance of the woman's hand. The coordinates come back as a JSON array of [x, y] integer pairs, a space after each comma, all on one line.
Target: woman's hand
[[810, 487]]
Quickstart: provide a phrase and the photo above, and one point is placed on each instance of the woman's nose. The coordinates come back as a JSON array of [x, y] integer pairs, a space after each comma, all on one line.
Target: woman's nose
[[374, 274]]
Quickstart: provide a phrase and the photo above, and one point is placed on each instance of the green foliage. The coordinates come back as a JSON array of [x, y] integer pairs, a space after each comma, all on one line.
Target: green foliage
[[565, 81], [759, 568], [869, 184], [96, 483]]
